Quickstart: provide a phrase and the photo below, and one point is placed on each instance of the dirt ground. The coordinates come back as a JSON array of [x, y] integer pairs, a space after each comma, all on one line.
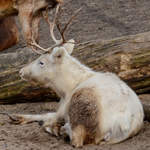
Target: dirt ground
[[32, 136], [99, 19]]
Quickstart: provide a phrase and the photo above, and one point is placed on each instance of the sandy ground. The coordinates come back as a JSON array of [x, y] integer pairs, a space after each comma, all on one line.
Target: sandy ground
[[99, 19], [32, 136]]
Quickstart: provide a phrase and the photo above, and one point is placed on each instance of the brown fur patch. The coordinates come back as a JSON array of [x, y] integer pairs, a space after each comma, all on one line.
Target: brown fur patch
[[8, 33], [84, 111], [7, 9], [5, 4]]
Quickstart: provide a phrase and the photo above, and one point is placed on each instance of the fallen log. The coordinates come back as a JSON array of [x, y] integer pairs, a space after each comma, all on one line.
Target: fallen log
[[145, 99], [128, 56], [9, 34]]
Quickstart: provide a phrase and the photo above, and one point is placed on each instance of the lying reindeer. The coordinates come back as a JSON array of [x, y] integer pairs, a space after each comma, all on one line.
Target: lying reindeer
[[97, 107], [29, 12]]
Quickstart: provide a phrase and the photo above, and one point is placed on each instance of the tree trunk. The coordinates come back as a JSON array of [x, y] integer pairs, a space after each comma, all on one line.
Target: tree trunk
[[128, 56]]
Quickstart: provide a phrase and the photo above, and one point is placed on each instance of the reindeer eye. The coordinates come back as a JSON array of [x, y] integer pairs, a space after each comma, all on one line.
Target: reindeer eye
[[41, 63]]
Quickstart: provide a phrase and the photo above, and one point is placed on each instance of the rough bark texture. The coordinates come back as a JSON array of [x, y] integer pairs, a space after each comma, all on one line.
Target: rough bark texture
[[9, 34], [127, 56], [145, 99]]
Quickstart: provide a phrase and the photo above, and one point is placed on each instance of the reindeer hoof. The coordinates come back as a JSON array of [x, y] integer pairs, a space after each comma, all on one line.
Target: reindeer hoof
[[53, 130], [77, 145]]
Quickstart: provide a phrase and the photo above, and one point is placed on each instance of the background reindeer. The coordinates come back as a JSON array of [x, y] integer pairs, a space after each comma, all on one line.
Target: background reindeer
[[95, 107], [9, 34], [29, 13]]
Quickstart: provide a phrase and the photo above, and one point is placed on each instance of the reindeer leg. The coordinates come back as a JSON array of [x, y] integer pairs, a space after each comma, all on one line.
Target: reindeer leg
[[35, 28], [25, 17], [66, 131], [49, 121], [24, 119], [78, 136], [54, 125]]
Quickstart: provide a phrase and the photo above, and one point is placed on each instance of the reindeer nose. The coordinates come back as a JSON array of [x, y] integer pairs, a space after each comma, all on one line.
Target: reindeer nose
[[25, 73]]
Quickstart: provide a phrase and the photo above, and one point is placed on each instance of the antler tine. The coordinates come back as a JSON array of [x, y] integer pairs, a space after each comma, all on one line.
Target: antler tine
[[34, 44], [52, 24], [62, 32]]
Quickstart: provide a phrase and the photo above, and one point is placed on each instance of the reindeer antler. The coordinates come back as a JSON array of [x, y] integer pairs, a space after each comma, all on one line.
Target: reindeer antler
[[62, 32], [51, 26]]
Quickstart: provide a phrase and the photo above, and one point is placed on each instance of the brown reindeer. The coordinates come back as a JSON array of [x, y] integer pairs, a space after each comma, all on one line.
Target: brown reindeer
[[29, 13], [9, 34]]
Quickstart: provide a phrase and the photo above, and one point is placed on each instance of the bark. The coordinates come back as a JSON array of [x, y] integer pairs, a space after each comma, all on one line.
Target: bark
[[9, 34], [128, 56], [145, 99]]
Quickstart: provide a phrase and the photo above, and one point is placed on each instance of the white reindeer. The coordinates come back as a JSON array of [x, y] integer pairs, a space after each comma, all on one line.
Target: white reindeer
[[96, 107]]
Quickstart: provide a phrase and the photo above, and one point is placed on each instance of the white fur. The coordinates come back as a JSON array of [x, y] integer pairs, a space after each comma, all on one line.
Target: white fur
[[120, 107], [121, 110]]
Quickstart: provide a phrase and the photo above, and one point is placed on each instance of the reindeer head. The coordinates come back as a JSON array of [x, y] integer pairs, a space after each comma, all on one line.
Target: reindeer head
[[49, 67], [52, 69]]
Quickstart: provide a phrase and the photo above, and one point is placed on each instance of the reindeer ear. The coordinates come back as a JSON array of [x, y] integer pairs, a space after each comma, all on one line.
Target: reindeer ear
[[69, 46], [58, 54]]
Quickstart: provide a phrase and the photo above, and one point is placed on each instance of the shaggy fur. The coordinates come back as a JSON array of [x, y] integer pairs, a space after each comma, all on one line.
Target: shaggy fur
[[84, 113]]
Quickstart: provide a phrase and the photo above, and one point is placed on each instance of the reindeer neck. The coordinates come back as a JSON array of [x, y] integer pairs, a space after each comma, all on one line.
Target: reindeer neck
[[71, 78]]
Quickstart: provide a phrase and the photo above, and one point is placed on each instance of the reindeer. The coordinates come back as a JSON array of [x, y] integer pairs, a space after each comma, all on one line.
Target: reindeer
[[95, 107], [29, 13]]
